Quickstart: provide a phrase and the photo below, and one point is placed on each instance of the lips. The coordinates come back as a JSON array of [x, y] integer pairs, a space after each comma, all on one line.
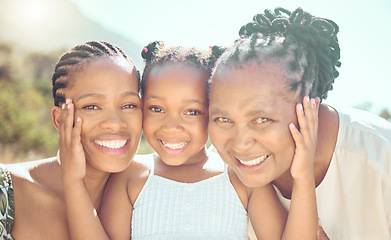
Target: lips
[[112, 144], [174, 146], [253, 162]]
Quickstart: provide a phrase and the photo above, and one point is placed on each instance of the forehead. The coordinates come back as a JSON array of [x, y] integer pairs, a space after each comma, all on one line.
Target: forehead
[[253, 86], [104, 74], [176, 74]]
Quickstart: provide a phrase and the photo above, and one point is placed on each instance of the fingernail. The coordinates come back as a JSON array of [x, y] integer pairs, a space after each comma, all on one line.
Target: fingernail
[[69, 105], [63, 106], [78, 119], [300, 106], [68, 100], [319, 222]]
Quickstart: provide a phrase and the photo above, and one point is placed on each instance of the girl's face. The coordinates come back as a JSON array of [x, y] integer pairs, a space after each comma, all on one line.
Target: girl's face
[[105, 96], [250, 109], [175, 110]]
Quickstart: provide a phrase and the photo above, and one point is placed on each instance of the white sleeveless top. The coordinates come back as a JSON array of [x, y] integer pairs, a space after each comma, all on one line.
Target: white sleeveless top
[[208, 209]]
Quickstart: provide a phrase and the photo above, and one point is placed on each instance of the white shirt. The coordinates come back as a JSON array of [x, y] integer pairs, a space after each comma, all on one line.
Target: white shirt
[[354, 199]]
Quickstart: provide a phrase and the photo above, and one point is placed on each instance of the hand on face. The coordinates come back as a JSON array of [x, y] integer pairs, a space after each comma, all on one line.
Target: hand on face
[[305, 139], [73, 161]]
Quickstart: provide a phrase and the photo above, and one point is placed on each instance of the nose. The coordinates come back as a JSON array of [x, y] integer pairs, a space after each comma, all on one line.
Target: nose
[[113, 120], [242, 139], [172, 123]]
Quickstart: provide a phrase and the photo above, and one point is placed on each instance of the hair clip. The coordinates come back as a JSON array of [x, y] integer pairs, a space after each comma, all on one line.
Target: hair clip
[[145, 50]]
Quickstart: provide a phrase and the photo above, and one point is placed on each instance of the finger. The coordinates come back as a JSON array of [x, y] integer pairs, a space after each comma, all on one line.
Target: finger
[[297, 137], [76, 132], [61, 128], [303, 125], [68, 124], [312, 117]]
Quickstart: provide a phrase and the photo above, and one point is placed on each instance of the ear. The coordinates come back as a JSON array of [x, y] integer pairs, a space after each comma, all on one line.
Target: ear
[[56, 113]]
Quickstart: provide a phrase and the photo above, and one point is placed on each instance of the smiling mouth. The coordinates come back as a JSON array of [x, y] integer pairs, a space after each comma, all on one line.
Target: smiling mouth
[[113, 144], [174, 146], [253, 162]]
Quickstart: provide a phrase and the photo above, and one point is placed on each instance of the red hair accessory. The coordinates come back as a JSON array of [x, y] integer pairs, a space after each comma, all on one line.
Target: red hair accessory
[[145, 50]]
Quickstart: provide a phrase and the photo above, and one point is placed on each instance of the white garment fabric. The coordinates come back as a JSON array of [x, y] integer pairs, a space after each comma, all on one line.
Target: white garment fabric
[[208, 209], [354, 199]]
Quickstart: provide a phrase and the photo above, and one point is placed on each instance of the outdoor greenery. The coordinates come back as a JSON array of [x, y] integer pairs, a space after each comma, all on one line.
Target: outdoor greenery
[[26, 128]]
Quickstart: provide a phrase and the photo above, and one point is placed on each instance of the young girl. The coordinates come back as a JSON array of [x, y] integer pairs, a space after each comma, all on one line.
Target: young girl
[[103, 84], [182, 191]]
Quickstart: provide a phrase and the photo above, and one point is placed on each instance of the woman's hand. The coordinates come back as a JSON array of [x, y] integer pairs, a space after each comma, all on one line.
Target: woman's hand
[[73, 161], [305, 139]]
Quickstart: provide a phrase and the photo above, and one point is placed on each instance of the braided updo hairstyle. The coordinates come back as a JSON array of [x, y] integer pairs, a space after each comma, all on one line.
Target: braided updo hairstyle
[[73, 61], [306, 47], [155, 54]]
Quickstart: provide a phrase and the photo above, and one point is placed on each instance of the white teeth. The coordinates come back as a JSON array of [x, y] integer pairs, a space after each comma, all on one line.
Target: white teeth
[[114, 144], [174, 146], [254, 161]]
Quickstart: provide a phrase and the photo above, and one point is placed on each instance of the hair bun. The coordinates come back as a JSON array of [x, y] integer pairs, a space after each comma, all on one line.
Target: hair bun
[[149, 51]]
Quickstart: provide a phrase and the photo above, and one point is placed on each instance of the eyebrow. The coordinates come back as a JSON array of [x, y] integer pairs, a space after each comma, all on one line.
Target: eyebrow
[[186, 101], [219, 112], [251, 113], [100, 95]]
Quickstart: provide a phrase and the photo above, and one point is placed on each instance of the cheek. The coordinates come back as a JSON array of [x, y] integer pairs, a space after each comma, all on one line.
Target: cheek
[[217, 137]]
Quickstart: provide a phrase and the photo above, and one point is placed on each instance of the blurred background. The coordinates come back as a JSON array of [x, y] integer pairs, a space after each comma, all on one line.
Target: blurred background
[[34, 34]]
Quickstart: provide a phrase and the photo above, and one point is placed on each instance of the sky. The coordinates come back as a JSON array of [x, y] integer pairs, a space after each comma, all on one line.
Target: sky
[[365, 34]]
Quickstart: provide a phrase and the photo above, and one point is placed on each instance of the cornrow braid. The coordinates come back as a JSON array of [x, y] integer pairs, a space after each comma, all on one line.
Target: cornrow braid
[[78, 57], [155, 54], [305, 45]]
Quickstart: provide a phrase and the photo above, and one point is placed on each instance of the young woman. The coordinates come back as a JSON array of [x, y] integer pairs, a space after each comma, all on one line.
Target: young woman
[[103, 85]]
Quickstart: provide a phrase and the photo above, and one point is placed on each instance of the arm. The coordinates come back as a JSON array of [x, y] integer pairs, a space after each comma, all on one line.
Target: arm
[[266, 213], [302, 220], [82, 218], [116, 209]]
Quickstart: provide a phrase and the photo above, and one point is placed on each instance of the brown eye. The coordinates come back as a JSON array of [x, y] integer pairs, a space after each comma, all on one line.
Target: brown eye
[[261, 120], [129, 106], [156, 109], [193, 112], [223, 122], [91, 107]]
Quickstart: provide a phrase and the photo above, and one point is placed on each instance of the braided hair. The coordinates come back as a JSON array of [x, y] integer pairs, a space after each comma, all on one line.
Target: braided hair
[[155, 54], [306, 47], [73, 61]]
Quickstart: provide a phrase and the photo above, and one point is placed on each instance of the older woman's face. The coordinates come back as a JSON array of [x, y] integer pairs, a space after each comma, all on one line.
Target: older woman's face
[[250, 109]]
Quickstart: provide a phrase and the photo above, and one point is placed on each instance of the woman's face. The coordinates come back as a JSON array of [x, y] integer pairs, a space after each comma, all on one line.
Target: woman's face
[[175, 111], [249, 112], [105, 96]]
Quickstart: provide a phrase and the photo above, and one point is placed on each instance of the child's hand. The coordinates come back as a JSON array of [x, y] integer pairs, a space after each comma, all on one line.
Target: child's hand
[[73, 161], [305, 139]]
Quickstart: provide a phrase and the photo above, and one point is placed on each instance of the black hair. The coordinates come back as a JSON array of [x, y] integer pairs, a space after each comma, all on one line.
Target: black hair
[[74, 60], [155, 54], [306, 47]]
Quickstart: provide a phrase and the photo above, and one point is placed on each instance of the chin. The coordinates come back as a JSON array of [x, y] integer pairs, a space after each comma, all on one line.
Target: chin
[[252, 181]]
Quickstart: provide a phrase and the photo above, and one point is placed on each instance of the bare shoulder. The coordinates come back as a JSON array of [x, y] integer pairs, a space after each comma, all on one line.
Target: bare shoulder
[[45, 173], [135, 175]]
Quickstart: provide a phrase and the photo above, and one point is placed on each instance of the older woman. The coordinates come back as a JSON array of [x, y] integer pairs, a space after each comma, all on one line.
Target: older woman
[[280, 58]]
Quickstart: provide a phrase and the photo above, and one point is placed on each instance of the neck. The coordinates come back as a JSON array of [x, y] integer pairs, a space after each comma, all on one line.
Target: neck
[[191, 171], [95, 182], [327, 139]]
